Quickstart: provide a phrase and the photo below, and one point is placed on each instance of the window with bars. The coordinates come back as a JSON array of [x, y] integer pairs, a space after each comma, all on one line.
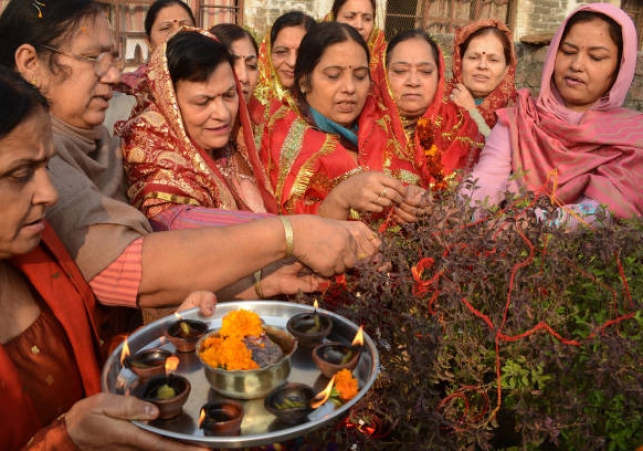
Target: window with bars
[[128, 20], [443, 16]]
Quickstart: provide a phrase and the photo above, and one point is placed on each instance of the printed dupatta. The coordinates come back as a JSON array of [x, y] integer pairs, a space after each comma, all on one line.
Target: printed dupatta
[[445, 140], [598, 153], [165, 166], [505, 93]]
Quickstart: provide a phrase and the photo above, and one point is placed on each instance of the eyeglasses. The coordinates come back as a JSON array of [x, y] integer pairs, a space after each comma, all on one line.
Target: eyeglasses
[[102, 63]]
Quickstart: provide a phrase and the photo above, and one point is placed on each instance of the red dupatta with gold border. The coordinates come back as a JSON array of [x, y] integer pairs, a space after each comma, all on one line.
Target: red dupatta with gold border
[[446, 130], [305, 163], [505, 93], [165, 166]]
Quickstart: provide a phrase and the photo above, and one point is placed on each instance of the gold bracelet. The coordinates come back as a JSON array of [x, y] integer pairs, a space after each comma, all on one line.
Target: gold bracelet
[[290, 236], [258, 289]]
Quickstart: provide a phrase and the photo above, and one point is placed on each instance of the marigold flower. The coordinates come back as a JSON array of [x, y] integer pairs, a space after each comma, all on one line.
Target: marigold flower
[[241, 323], [346, 385]]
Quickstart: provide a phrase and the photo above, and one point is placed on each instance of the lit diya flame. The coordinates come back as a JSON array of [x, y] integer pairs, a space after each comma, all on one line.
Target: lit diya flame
[[125, 353], [359, 337], [171, 364], [315, 304], [323, 396], [201, 417]]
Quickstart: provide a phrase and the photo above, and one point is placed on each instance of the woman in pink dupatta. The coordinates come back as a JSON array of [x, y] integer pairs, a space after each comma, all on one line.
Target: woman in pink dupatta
[[174, 161], [574, 142]]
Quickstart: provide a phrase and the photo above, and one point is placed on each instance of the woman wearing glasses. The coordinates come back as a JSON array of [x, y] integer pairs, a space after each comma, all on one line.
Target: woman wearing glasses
[[110, 240]]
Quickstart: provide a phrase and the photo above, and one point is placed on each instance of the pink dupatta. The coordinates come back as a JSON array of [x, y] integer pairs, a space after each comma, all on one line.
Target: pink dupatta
[[597, 154]]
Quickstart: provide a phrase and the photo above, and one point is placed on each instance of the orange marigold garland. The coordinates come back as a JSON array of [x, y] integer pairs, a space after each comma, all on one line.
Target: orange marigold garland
[[228, 350], [433, 156]]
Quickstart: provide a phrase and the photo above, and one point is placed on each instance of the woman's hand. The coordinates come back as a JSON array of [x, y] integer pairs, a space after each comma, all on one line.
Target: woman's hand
[[205, 300], [412, 207], [462, 97], [102, 422], [364, 192], [287, 277]]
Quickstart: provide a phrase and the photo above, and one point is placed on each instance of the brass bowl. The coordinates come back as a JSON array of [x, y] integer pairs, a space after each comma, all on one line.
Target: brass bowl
[[251, 384]]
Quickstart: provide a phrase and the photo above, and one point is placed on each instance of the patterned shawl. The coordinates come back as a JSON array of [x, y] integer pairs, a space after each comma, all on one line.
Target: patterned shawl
[[599, 153], [505, 93], [165, 166], [304, 163], [446, 138]]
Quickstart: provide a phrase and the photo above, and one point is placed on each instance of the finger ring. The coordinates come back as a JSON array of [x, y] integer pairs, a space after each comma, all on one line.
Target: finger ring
[[372, 238], [383, 193], [377, 201]]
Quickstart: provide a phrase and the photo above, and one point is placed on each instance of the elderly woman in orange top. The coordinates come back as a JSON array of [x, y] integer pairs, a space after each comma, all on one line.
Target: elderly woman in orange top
[[54, 335], [332, 154], [484, 69], [193, 145]]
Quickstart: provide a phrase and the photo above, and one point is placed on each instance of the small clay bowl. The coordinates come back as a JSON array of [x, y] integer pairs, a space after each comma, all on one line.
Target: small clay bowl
[[222, 418], [148, 362], [290, 402], [332, 357], [185, 333], [172, 406], [310, 329]]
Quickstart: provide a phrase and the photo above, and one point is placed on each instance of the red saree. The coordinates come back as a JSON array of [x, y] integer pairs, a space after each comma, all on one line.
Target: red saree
[[165, 167], [505, 94], [304, 163], [446, 139]]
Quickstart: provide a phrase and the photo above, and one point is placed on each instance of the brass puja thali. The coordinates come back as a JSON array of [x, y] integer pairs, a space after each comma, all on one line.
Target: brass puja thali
[[259, 426]]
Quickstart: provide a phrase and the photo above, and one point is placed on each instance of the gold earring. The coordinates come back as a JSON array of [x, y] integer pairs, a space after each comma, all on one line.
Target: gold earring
[[33, 81]]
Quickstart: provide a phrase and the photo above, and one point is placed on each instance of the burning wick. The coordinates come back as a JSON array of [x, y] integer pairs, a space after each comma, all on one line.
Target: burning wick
[[323, 396], [359, 337], [165, 391]]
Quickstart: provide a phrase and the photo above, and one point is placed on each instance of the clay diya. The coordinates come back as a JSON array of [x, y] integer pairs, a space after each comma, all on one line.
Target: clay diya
[[185, 333], [334, 356], [148, 362], [169, 393], [221, 418], [290, 402], [310, 329]]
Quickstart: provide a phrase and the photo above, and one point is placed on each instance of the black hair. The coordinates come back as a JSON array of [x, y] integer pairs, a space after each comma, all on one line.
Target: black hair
[[155, 9], [19, 100], [315, 43], [506, 45], [416, 33], [337, 5], [41, 24], [228, 33], [616, 32], [193, 56], [291, 19]]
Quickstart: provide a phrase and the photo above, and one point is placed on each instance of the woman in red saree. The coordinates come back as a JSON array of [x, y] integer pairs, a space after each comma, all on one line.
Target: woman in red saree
[[333, 154], [574, 142], [484, 71], [192, 147], [277, 56], [361, 14], [441, 136]]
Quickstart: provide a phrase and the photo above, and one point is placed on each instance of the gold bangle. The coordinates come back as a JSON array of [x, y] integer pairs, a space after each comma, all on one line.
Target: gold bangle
[[290, 236], [258, 289]]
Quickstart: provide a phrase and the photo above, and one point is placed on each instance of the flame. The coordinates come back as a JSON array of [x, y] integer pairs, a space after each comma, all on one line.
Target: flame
[[125, 353], [201, 417], [321, 397], [171, 364], [359, 337], [179, 317], [315, 304]]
